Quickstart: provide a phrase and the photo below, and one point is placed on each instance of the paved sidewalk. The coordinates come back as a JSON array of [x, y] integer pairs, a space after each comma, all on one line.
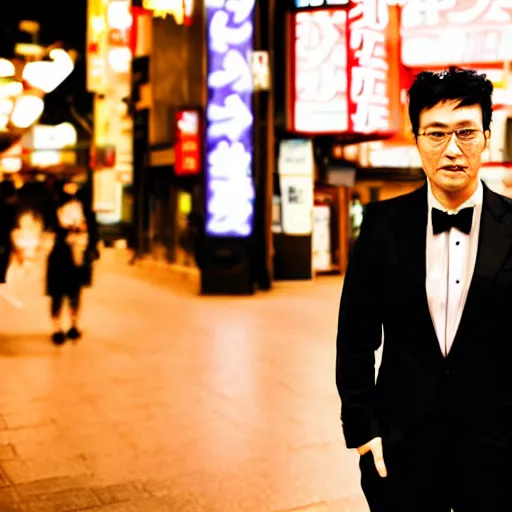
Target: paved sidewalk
[[173, 402]]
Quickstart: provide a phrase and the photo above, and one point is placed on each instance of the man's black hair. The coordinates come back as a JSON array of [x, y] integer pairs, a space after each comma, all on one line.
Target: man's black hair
[[465, 85]]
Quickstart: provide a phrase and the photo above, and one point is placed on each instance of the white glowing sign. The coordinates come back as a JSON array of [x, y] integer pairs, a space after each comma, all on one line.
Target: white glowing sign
[[229, 184], [320, 103], [443, 32], [368, 64]]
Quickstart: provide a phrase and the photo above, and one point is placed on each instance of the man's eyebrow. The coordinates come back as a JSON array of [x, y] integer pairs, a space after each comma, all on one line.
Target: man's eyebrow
[[435, 124], [438, 124]]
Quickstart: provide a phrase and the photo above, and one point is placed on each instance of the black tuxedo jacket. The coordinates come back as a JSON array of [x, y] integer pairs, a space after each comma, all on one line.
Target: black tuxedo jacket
[[471, 389]]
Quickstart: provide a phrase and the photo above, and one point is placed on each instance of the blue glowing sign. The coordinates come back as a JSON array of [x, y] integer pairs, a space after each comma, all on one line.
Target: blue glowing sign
[[229, 118]]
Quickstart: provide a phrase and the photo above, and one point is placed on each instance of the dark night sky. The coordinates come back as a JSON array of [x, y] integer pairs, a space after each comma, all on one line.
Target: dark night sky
[[61, 20]]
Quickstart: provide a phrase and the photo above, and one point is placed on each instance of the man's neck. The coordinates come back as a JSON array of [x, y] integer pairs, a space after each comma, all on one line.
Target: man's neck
[[452, 201]]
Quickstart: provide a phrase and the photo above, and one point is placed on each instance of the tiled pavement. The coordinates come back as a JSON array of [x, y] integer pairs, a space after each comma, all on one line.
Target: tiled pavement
[[173, 402]]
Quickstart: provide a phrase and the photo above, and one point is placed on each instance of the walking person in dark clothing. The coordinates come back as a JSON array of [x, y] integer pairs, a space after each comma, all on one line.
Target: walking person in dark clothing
[[70, 261], [7, 222]]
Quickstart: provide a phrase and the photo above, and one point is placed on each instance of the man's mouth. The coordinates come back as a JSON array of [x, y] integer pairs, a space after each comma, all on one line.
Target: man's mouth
[[453, 168]]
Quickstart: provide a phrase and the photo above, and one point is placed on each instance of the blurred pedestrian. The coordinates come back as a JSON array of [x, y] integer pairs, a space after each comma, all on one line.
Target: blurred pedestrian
[[7, 224], [70, 260], [431, 276]]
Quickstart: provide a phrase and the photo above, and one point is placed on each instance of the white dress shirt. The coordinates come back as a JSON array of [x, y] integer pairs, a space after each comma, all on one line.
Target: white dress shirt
[[450, 261]]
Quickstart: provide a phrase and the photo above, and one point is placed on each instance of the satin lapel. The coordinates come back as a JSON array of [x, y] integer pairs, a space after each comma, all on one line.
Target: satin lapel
[[410, 234], [495, 242]]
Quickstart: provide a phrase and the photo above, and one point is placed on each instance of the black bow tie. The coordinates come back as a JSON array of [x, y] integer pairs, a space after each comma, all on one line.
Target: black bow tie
[[442, 221]]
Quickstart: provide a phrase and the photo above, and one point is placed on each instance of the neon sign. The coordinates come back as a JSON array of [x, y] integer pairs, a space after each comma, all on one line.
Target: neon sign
[[320, 85], [368, 61], [188, 143], [229, 116]]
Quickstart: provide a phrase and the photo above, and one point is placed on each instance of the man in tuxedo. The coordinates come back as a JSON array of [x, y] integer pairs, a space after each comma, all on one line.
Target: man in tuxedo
[[431, 279]]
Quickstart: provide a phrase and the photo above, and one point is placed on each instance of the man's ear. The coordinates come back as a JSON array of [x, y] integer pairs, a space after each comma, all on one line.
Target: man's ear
[[487, 135]]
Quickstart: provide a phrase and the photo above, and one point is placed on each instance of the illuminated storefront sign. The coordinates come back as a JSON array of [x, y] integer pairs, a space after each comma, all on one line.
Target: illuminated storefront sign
[[320, 95], [345, 65], [458, 32], [296, 169], [229, 116], [188, 143], [181, 10]]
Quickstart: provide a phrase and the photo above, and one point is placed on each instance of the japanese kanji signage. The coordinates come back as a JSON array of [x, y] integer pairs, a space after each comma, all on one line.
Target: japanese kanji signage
[[319, 96], [229, 117], [456, 32], [346, 70], [368, 64]]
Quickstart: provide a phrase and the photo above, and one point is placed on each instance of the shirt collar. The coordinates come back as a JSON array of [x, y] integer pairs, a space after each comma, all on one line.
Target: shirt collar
[[475, 200]]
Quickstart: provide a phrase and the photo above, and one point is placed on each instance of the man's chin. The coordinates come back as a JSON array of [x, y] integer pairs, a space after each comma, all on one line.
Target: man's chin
[[454, 183]]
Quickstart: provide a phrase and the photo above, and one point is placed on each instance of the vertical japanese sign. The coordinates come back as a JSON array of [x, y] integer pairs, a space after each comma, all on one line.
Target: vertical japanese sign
[[368, 64], [188, 145], [229, 118], [320, 72]]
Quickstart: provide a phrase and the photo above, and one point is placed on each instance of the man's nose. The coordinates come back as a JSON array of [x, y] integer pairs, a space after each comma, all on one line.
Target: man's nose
[[452, 148]]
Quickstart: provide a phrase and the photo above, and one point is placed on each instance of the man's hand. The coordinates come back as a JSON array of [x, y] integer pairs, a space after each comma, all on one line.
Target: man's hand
[[375, 446]]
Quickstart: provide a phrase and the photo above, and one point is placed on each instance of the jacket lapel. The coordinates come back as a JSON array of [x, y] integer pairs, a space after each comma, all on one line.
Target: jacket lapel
[[494, 244], [410, 236]]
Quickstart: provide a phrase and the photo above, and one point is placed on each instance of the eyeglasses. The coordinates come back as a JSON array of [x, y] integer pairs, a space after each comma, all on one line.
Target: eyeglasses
[[464, 136]]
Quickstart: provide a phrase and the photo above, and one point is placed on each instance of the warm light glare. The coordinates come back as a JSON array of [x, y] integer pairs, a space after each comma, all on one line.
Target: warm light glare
[[47, 75], [66, 134], [10, 164], [11, 89], [54, 137], [27, 111], [164, 8], [6, 106], [119, 16], [6, 68], [120, 59]]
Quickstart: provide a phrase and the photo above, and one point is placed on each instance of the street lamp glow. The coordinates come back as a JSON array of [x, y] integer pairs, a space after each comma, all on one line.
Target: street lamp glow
[[6, 68], [27, 111]]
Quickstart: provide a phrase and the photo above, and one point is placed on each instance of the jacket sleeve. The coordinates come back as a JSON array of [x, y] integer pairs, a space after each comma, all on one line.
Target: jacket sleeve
[[359, 336]]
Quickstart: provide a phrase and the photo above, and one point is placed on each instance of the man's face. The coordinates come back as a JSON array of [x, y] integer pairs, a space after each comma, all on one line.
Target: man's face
[[452, 162]]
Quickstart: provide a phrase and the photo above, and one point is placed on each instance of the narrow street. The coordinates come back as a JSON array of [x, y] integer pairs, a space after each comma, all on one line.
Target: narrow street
[[173, 402]]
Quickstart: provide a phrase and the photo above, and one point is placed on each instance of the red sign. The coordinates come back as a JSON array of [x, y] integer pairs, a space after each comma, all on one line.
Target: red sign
[[372, 68], [458, 32], [188, 157], [345, 74], [319, 72]]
